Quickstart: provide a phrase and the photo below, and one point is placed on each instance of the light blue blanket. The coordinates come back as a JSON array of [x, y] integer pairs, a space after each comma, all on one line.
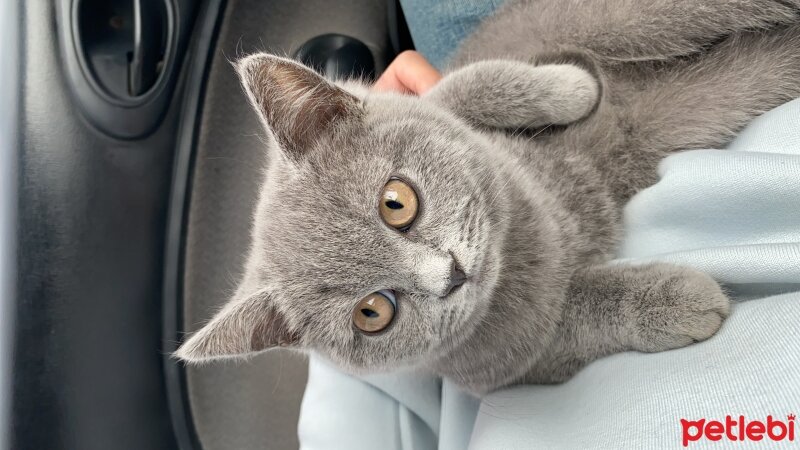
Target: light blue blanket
[[733, 213]]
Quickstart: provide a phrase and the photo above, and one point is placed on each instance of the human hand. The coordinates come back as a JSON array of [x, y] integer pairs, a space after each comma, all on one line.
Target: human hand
[[409, 73]]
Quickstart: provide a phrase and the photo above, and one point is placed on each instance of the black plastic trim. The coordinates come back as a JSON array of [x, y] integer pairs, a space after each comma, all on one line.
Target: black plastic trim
[[168, 74], [210, 16], [337, 56], [399, 35], [122, 118]]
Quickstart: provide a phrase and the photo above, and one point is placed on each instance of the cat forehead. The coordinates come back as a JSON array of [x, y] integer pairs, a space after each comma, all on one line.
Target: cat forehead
[[342, 180], [367, 157], [401, 110], [314, 234]]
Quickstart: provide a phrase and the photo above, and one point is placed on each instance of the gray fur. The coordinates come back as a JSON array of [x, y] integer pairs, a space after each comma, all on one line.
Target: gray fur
[[533, 217], [487, 93]]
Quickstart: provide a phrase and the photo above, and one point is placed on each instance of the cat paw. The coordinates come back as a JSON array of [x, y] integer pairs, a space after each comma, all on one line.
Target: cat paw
[[683, 308]]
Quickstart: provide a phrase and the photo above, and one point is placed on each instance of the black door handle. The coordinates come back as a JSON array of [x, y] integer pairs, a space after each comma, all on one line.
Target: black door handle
[[148, 46]]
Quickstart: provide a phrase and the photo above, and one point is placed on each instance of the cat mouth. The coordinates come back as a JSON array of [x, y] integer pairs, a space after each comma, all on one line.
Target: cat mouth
[[455, 289]]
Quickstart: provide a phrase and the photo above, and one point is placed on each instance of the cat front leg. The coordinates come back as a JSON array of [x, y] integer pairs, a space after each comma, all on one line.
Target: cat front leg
[[614, 308], [510, 94]]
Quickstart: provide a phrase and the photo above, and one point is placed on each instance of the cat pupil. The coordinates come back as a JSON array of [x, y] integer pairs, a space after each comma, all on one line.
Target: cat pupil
[[391, 204], [369, 313]]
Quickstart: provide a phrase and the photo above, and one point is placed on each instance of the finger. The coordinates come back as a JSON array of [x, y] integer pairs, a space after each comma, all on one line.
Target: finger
[[388, 81], [415, 73], [409, 73]]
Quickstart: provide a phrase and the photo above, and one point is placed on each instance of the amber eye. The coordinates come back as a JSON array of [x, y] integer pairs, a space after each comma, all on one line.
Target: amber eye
[[374, 312], [399, 204]]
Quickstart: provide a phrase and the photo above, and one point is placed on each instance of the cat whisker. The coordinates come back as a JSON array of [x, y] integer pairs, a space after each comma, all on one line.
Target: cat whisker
[[545, 128], [493, 200]]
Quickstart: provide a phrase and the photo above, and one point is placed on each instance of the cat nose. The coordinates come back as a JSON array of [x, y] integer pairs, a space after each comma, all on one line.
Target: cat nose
[[457, 277], [435, 273]]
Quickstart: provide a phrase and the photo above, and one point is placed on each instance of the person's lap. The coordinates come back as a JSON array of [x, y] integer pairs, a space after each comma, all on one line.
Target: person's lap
[[734, 214], [731, 213]]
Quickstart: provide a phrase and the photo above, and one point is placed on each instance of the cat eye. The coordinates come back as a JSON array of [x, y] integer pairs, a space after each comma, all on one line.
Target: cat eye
[[399, 204], [374, 312]]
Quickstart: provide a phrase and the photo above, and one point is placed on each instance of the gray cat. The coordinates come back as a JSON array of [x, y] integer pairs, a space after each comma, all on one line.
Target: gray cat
[[469, 231]]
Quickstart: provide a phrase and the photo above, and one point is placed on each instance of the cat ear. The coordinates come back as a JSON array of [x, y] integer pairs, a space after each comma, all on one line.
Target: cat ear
[[242, 327], [294, 102]]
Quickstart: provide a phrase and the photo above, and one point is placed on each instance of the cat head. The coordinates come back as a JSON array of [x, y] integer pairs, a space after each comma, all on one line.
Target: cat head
[[376, 238]]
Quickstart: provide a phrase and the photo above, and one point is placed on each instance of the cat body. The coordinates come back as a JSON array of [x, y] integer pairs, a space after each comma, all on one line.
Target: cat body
[[522, 165]]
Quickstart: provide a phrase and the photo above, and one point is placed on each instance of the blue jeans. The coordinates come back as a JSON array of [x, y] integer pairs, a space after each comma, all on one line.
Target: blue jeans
[[438, 26]]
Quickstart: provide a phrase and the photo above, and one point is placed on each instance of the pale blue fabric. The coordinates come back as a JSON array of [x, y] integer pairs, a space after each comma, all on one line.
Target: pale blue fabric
[[734, 213], [393, 411]]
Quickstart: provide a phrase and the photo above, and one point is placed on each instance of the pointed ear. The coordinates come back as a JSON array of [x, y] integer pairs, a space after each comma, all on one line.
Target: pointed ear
[[242, 327], [293, 101]]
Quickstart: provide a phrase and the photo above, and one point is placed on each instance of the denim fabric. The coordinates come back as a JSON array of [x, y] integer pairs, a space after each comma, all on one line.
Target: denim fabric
[[438, 26]]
